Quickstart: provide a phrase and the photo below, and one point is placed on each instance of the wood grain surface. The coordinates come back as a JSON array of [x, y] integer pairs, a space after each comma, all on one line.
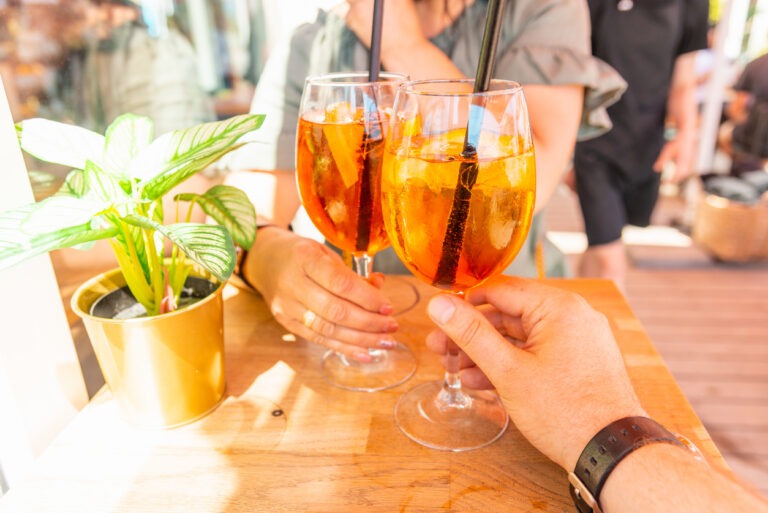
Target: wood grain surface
[[285, 440]]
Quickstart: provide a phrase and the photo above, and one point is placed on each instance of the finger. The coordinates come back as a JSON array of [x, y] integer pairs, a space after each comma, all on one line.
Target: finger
[[682, 172], [523, 299], [462, 361], [319, 294], [664, 156], [348, 342], [509, 326], [533, 308], [321, 328], [377, 280], [506, 321], [474, 334], [474, 377], [338, 311], [438, 342], [328, 271]]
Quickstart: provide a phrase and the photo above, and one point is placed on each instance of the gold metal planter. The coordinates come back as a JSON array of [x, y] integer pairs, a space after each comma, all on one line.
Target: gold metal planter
[[163, 371]]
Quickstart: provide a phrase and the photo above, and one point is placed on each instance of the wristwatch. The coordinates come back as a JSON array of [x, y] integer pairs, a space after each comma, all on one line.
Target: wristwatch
[[606, 449]]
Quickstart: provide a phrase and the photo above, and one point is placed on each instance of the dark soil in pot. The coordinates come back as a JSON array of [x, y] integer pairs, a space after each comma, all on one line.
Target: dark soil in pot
[[120, 304]]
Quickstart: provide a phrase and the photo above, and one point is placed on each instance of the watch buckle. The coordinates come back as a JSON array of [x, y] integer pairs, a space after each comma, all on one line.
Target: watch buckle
[[583, 493]]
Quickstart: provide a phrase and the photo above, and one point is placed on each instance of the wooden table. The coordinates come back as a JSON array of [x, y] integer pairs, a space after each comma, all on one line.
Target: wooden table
[[284, 440]]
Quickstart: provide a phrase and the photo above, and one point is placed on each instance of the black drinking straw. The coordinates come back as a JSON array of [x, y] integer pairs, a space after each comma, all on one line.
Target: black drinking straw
[[457, 220], [375, 57], [373, 136]]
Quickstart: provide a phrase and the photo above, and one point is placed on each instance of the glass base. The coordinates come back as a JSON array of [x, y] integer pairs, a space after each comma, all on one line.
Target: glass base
[[403, 294], [388, 369], [476, 420]]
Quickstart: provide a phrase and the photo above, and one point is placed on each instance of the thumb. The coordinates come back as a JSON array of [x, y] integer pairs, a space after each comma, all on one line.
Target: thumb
[[473, 333]]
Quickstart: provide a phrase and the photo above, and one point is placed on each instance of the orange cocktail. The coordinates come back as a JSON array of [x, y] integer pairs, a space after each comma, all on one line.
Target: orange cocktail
[[338, 166], [458, 186], [419, 193], [339, 148]]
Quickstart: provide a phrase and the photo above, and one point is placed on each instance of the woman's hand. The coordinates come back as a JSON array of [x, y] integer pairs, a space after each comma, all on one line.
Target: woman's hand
[[406, 29], [551, 357], [401, 27], [313, 294]]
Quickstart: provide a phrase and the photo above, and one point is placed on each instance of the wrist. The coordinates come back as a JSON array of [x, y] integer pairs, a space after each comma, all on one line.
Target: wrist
[[398, 50], [251, 262], [587, 428], [628, 481], [606, 451], [242, 255], [686, 134]]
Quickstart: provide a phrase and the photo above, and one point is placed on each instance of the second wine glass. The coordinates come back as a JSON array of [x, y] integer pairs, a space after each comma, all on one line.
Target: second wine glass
[[458, 191], [340, 143]]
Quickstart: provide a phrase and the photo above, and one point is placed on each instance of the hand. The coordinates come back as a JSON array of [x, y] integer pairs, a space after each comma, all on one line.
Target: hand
[[551, 357], [679, 152], [313, 294], [401, 28]]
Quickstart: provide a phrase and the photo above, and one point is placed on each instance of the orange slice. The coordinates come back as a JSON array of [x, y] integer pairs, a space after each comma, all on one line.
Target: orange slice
[[344, 140]]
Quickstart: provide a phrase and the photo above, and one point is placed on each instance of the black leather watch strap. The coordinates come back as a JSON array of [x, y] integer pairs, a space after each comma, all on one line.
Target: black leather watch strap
[[606, 449]]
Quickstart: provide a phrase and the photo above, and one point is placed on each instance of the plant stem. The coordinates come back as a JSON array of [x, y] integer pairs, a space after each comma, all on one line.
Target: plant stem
[[155, 269], [132, 270], [154, 259], [135, 282]]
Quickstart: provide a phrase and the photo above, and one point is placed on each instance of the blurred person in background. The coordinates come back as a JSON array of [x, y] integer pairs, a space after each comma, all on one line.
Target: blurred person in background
[[744, 136], [653, 45], [138, 61]]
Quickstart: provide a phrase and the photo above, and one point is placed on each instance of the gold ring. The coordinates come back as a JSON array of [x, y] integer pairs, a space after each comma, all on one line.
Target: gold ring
[[309, 318]]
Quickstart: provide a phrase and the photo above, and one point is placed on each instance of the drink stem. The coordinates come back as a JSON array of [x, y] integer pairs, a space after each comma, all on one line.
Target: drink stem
[[452, 395], [363, 264], [364, 267]]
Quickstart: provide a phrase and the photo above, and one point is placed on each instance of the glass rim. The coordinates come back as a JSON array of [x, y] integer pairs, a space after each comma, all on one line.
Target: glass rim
[[336, 78], [409, 87]]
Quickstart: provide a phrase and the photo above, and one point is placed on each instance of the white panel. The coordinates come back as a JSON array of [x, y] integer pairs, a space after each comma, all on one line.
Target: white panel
[[41, 385]]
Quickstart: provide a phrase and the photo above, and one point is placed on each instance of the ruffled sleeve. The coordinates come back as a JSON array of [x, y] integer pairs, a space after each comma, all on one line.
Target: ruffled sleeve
[[548, 42], [556, 65]]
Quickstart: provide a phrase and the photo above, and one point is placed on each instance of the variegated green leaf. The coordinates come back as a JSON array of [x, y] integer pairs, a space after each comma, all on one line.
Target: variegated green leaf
[[125, 138], [177, 155], [230, 207], [208, 245], [75, 184], [17, 245], [103, 186], [60, 143], [60, 212], [11, 234]]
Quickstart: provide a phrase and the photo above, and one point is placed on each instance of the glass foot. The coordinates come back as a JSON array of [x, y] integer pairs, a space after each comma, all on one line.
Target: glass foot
[[476, 421], [388, 369], [401, 292]]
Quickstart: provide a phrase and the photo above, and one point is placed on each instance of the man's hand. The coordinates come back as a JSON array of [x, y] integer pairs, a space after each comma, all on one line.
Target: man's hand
[[552, 358]]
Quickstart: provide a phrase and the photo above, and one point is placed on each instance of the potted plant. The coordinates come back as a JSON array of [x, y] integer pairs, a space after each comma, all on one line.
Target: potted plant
[[163, 361]]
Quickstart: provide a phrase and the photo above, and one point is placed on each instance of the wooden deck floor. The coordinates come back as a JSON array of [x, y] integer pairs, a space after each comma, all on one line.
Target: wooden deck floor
[[709, 321]]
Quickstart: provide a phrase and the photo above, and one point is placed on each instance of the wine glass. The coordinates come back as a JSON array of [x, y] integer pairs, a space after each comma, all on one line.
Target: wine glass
[[458, 189], [340, 142]]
